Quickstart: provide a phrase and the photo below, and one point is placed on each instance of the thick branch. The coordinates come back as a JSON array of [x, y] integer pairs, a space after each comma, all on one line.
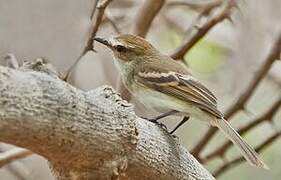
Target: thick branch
[[87, 135], [246, 95]]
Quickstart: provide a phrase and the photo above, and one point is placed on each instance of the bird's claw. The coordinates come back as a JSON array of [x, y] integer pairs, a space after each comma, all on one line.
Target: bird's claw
[[159, 124], [174, 136]]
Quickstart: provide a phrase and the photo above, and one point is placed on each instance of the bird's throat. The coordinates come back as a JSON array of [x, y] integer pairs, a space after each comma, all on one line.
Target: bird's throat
[[126, 69]]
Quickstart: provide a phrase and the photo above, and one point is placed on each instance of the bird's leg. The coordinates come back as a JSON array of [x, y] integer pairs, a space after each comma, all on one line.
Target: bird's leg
[[169, 113], [186, 118], [155, 120]]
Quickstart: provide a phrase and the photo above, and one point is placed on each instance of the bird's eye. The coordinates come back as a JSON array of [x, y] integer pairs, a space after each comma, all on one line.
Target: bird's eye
[[120, 48]]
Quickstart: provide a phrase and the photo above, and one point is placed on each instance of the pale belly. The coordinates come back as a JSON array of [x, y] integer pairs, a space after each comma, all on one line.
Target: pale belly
[[163, 103]]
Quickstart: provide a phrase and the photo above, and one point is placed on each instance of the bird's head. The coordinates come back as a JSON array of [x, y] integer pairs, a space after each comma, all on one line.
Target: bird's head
[[127, 47]]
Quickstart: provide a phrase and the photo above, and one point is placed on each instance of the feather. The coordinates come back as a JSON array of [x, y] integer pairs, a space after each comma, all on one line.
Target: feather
[[247, 151], [183, 87]]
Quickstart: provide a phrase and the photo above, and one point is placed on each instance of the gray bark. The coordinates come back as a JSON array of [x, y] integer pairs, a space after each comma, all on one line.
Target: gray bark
[[87, 135]]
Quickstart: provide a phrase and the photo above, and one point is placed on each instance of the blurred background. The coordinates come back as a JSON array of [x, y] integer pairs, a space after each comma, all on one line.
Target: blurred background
[[226, 60]]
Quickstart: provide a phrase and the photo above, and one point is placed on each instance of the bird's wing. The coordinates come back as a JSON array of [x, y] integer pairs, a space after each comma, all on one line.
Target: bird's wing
[[181, 86]]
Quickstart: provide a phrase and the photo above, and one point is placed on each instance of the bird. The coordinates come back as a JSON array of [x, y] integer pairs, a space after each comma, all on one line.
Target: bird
[[168, 87]]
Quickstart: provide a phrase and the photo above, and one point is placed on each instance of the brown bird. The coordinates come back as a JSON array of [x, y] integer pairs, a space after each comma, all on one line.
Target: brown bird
[[162, 84]]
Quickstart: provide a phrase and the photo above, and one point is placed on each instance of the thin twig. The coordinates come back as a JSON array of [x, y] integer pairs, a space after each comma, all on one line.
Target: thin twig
[[94, 8], [97, 19], [198, 30], [98, 12], [265, 117], [197, 6], [110, 20], [275, 78], [238, 160], [246, 95], [12, 155], [204, 8]]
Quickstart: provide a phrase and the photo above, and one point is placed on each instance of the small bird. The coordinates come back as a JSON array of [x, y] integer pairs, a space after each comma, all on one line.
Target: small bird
[[162, 84]]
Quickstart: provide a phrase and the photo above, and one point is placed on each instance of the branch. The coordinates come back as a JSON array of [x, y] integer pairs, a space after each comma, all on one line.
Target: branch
[[87, 135], [198, 29], [96, 17], [111, 21], [273, 55], [265, 117], [94, 8], [143, 21], [240, 159], [12, 155], [145, 16], [197, 6], [246, 95]]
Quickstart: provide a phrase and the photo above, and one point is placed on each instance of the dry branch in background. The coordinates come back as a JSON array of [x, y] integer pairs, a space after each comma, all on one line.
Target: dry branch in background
[[265, 117], [145, 16], [199, 28], [240, 159], [96, 17], [86, 135], [108, 18], [194, 5], [273, 55], [12, 155], [239, 105], [143, 21]]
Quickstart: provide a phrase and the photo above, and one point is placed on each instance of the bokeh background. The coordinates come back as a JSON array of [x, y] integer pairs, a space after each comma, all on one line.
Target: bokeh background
[[225, 60]]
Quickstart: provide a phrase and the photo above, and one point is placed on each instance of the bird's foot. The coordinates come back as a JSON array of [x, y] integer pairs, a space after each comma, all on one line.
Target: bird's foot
[[159, 124], [175, 137]]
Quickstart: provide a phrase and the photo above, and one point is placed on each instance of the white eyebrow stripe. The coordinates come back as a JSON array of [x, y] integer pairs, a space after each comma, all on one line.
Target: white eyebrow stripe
[[114, 42]]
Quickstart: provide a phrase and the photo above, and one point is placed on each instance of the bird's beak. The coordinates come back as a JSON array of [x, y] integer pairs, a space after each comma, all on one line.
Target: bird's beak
[[103, 41]]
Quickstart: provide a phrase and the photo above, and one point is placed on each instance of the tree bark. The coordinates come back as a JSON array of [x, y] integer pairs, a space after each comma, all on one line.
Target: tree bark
[[87, 135]]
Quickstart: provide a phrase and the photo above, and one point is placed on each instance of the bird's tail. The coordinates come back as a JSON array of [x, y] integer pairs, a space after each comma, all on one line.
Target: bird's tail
[[247, 151]]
